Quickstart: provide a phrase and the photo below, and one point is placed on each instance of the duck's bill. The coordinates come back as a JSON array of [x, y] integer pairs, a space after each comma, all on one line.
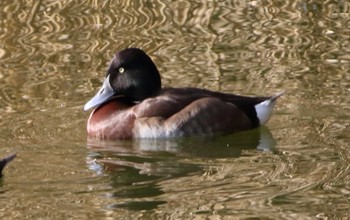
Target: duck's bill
[[104, 94]]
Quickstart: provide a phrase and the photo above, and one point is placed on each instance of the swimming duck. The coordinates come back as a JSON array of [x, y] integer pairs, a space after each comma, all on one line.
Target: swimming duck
[[4, 161], [132, 104]]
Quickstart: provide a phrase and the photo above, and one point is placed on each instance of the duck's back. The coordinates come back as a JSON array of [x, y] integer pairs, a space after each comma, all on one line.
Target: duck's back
[[189, 111]]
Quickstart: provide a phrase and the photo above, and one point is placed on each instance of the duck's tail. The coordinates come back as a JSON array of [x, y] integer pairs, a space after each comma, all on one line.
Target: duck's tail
[[5, 160], [264, 109]]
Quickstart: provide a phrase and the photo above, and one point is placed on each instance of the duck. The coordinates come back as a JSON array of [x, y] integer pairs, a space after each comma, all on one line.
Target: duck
[[132, 104], [4, 161]]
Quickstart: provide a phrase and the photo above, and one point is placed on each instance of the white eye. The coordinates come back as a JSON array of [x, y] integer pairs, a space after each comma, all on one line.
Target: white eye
[[121, 70]]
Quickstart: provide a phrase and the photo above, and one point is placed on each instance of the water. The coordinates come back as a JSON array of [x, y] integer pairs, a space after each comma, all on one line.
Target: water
[[53, 55]]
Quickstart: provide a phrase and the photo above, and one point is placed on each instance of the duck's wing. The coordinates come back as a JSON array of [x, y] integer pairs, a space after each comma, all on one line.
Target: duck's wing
[[258, 109], [185, 112]]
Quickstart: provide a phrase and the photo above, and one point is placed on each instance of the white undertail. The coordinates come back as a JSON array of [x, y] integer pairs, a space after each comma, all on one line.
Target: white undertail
[[264, 109]]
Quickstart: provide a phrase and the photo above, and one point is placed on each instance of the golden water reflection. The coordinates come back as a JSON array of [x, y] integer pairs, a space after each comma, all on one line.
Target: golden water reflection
[[53, 55]]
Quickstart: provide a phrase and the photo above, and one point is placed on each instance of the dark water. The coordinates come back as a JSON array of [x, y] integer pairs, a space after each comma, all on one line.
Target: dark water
[[53, 55]]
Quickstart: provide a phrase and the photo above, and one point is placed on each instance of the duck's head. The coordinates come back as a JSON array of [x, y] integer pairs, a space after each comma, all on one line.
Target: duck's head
[[131, 74]]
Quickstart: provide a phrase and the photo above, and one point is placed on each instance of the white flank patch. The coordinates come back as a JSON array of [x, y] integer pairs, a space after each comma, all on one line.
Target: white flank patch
[[264, 109], [155, 130]]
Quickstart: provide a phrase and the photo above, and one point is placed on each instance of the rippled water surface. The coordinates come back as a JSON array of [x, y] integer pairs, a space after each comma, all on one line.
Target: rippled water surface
[[53, 55]]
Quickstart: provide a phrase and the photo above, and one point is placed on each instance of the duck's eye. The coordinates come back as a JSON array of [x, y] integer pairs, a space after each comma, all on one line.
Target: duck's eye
[[121, 70]]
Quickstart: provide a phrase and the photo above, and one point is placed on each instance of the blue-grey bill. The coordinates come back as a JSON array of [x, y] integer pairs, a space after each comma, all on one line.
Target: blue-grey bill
[[103, 95]]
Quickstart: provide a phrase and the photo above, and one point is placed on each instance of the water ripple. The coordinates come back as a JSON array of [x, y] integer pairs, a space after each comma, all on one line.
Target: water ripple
[[53, 55]]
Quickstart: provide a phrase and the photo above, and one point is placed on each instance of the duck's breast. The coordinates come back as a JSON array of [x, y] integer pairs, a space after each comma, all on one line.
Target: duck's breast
[[113, 120]]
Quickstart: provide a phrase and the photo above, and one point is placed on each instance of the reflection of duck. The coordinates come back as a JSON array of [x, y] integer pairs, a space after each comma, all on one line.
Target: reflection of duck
[[214, 146], [132, 104], [135, 167], [4, 161]]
